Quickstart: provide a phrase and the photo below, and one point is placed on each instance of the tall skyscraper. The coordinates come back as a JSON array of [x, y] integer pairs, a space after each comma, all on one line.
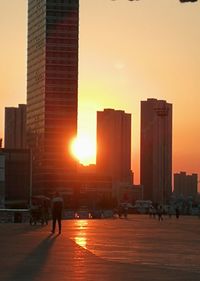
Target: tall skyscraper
[[15, 127], [114, 145], [156, 150], [52, 90]]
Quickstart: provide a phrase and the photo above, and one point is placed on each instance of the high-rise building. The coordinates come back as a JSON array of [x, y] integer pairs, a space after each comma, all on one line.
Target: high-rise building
[[52, 90], [185, 185], [114, 145], [156, 150], [15, 127]]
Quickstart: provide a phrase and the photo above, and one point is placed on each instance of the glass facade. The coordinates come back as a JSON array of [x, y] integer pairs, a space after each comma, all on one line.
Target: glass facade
[[52, 89]]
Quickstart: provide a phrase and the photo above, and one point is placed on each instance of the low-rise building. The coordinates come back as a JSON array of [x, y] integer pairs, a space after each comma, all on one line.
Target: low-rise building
[[15, 170]]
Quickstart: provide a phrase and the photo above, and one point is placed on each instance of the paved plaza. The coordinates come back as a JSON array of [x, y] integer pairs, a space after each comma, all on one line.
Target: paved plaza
[[138, 248]]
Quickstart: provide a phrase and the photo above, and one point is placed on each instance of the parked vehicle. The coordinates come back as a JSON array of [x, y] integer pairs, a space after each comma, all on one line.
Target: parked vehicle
[[142, 206]]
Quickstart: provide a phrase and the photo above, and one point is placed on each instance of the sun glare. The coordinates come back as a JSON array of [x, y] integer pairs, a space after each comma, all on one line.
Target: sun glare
[[84, 149]]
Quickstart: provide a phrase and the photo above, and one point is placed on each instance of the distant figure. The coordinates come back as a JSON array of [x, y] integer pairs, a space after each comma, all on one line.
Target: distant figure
[[150, 211], [160, 213], [57, 208], [170, 211], [177, 213], [154, 212], [45, 212], [125, 211], [120, 211], [199, 211], [35, 215]]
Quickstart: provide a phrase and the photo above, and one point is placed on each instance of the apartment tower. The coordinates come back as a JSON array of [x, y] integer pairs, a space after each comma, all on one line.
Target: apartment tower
[[114, 145], [156, 150]]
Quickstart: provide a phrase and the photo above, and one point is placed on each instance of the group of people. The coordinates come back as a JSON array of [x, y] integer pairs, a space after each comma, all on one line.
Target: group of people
[[159, 212], [40, 212], [121, 211]]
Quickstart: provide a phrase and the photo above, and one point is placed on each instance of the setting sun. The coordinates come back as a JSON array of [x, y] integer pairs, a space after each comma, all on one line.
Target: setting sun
[[84, 149]]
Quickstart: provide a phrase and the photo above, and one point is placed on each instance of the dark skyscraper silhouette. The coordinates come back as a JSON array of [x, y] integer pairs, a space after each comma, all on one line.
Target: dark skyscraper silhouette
[[156, 150], [52, 90], [114, 145], [15, 127]]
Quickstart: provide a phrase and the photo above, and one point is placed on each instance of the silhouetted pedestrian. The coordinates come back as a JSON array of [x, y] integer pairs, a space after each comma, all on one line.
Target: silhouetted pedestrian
[[177, 213], [150, 211], [57, 208], [154, 212], [45, 212], [120, 211], [170, 211], [160, 213], [199, 211], [125, 211]]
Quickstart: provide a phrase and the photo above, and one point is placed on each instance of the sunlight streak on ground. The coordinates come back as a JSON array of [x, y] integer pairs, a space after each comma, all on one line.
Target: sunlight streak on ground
[[81, 237]]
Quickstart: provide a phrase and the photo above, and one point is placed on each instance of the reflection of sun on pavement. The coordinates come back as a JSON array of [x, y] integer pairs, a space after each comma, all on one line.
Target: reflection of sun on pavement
[[81, 241], [80, 237], [81, 224]]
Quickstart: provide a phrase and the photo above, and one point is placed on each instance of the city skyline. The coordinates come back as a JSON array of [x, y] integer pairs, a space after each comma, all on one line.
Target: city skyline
[[129, 66]]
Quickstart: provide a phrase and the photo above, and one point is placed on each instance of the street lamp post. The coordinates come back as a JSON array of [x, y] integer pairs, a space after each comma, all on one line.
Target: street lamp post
[[31, 179]]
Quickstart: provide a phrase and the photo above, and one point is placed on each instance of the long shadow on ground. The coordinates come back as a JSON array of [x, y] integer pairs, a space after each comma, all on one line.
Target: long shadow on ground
[[31, 266]]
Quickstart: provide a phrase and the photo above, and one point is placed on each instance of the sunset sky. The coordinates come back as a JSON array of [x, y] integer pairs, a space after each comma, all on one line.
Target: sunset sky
[[128, 52]]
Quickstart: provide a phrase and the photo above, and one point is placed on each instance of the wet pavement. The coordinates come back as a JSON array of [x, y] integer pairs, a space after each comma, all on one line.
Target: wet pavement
[[138, 248]]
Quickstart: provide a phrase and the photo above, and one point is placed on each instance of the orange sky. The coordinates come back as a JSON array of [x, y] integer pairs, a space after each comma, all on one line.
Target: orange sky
[[129, 51]]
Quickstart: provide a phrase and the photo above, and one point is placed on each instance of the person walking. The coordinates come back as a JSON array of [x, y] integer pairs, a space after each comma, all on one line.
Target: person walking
[[160, 213], [150, 211], [177, 212], [170, 211], [45, 211], [57, 208]]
